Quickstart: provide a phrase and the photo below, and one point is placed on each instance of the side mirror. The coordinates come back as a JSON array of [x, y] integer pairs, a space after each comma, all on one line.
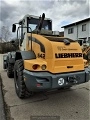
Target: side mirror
[[43, 16], [13, 28]]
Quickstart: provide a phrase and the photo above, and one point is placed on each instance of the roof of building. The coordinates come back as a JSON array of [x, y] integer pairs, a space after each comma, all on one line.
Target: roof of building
[[76, 23]]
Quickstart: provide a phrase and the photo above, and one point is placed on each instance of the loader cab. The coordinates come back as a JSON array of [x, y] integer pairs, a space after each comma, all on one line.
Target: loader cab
[[30, 24], [33, 22]]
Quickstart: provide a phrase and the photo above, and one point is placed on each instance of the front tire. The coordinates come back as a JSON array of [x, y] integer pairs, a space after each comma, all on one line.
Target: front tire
[[4, 65], [20, 86], [10, 72]]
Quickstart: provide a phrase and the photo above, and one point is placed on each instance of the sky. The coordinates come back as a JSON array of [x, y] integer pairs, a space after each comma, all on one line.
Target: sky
[[62, 12]]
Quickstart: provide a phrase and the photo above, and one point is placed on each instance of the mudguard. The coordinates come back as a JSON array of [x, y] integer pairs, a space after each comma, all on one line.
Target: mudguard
[[11, 57], [25, 55]]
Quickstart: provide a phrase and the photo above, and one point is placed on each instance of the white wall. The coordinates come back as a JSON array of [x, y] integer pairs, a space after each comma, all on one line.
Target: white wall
[[73, 35], [89, 28], [83, 34], [78, 33]]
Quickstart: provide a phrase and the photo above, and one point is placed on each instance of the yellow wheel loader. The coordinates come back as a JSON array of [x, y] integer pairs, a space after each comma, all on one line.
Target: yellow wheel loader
[[45, 60]]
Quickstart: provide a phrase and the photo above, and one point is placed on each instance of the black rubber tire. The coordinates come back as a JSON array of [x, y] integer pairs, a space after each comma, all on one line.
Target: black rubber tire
[[20, 86], [10, 72], [4, 65]]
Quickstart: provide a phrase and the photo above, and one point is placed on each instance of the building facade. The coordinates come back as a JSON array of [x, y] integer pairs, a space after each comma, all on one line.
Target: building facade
[[78, 30]]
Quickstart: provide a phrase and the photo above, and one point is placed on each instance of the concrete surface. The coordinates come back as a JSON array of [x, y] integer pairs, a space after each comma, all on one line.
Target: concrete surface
[[2, 112], [72, 104]]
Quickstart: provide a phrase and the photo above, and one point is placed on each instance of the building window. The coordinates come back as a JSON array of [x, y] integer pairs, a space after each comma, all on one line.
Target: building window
[[84, 27], [70, 30]]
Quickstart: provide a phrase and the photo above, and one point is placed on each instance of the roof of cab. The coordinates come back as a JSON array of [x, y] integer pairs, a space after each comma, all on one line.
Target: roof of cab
[[76, 23], [32, 16]]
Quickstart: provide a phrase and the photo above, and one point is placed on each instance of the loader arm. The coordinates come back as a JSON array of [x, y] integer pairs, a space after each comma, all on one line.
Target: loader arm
[[87, 50]]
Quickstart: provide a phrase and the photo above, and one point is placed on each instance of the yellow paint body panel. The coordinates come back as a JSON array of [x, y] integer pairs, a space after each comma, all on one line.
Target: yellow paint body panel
[[54, 65], [29, 63]]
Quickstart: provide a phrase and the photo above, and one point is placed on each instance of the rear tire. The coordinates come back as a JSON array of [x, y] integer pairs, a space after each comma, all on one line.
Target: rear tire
[[4, 65], [20, 86], [10, 72]]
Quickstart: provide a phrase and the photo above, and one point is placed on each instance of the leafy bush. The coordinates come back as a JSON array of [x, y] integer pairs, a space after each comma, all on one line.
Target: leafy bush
[[7, 47]]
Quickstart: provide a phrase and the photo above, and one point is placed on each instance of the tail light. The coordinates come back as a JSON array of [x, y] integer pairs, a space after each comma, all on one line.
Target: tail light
[[35, 66]]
